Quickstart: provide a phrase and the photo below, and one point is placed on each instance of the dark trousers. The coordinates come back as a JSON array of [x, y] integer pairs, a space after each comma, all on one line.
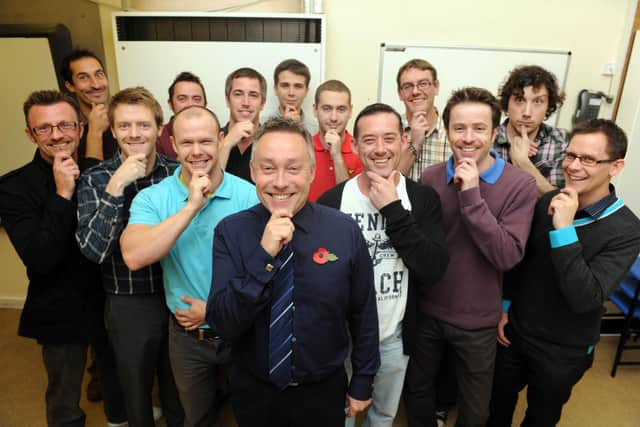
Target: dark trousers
[[550, 373], [112, 396], [260, 404], [195, 364], [137, 327], [64, 364], [446, 386], [474, 361]]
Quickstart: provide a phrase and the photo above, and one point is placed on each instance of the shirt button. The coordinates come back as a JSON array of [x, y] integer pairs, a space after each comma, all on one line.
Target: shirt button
[[269, 268], [330, 168], [293, 367], [293, 339], [293, 308]]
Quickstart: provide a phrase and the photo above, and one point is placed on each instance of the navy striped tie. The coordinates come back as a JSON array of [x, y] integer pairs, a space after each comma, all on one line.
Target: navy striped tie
[[281, 321]]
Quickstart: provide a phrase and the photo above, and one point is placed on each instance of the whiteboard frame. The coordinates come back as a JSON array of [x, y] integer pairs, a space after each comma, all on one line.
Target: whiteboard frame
[[442, 97]]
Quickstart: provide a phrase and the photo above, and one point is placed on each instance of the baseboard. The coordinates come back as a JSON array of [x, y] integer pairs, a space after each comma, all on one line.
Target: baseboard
[[12, 302]]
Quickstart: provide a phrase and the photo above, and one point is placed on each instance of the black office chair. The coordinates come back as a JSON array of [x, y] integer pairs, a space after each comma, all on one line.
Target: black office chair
[[626, 299]]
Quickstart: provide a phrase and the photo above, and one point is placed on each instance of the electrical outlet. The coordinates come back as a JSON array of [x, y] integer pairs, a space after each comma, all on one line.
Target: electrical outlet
[[608, 69]]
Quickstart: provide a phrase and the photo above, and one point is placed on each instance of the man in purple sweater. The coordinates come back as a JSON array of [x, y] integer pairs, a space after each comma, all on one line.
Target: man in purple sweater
[[487, 206]]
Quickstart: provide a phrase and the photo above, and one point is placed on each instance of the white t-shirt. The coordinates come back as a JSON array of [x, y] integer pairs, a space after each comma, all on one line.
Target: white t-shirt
[[391, 276]]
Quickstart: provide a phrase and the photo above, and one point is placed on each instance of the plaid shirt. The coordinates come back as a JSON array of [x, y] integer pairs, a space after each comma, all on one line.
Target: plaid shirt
[[101, 219], [435, 149], [552, 143]]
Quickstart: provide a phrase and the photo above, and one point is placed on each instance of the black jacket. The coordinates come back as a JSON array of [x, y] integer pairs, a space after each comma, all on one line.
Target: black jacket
[[64, 286]]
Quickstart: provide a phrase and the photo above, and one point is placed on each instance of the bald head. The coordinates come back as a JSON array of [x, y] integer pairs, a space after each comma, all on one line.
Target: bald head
[[194, 112]]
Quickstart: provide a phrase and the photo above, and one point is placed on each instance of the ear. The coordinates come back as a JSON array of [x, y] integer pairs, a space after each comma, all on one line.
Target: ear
[[436, 84], [404, 139], [27, 132], [315, 111], [494, 133], [616, 167], [252, 170], [354, 146], [159, 130], [69, 87], [173, 143]]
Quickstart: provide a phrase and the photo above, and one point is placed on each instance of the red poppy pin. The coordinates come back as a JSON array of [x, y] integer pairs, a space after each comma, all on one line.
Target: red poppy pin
[[322, 256]]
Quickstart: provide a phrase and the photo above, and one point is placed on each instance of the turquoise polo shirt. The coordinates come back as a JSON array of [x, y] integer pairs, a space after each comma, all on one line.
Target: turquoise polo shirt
[[187, 268]]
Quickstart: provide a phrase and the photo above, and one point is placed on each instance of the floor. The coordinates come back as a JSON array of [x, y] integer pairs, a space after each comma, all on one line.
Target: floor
[[598, 400]]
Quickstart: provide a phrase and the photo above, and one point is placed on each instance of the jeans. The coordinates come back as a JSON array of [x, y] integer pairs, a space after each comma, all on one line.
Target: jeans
[[194, 364], [387, 384], [64, 364]]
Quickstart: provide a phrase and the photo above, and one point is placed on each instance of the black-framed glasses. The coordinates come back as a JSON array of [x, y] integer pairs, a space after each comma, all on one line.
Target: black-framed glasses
[[585, 160], [421, 85], [64, 127]]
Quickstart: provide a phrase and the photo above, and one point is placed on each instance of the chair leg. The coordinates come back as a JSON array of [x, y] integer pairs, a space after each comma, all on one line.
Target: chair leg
[[625, 330], [623, 339]]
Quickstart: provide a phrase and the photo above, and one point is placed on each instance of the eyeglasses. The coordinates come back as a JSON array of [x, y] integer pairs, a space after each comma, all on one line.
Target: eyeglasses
[[64, 127], [421, 85], [585, 160]]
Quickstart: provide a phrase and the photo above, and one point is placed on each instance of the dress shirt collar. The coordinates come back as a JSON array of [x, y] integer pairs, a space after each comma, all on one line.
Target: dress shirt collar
[[595, 210], [490, 176], [345, 148], [303, 219]]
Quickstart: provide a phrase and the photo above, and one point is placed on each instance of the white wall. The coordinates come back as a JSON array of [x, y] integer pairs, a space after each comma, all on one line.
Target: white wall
[[629, 119], [594, 30], [591, 29]]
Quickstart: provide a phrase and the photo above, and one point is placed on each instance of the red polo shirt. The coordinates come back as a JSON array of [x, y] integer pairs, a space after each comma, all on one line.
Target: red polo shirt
[[325, 177]]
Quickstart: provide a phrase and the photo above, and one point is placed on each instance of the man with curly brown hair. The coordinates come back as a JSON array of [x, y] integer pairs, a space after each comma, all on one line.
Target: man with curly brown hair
[[528, 97]]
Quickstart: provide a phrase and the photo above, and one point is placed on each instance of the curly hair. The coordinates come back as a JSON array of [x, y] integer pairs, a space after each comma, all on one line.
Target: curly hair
[[535, 76]]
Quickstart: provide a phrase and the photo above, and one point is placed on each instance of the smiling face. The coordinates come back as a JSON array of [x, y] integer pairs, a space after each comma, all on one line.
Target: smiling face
[[195, 140], [379, 142], [88, 82], [528, 110], [135, 129], [282, 171], [291, 89], [471, 133], [591, 182], [41, 116], [245, 100], [416, 99]]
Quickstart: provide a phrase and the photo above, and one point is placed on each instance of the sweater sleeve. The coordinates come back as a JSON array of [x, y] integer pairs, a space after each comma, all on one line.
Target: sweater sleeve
[[586, 285]]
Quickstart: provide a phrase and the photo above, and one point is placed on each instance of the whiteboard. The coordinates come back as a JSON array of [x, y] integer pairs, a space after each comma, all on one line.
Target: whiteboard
[[154, 65], [466, 66]]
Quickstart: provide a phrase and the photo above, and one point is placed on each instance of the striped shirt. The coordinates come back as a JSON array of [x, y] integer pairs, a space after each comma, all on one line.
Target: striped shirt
[[435, 149], [552, 144], [102, 218]]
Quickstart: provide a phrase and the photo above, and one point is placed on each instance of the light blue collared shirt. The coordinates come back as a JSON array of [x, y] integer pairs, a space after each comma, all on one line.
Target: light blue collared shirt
[[490, 176]]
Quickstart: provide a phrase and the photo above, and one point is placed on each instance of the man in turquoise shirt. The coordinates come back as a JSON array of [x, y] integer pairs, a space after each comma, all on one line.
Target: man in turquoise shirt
[[173, 222]]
